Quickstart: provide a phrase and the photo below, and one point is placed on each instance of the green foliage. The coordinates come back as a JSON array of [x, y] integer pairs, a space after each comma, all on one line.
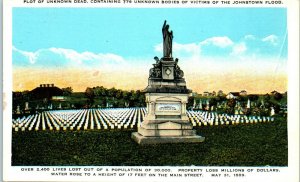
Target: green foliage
[[113, 97], [234, 145], [190, 102], [67, 91], [92, 98], [89, 93]]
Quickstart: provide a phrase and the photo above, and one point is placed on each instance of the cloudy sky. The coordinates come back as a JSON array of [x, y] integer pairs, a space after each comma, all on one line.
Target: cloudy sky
[[229, 49]]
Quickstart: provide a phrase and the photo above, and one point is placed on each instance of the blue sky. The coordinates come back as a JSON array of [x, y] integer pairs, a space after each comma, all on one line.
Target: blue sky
[[95, 37], [134, 32]]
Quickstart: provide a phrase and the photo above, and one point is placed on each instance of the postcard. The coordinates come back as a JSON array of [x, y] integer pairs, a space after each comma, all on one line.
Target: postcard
[[152, 90]]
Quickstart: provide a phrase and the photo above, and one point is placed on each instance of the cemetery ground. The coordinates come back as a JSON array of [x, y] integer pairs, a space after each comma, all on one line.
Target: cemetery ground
[[244, 144]]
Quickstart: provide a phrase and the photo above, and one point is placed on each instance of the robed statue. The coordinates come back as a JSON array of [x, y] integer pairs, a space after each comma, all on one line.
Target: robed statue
[[167, 43]]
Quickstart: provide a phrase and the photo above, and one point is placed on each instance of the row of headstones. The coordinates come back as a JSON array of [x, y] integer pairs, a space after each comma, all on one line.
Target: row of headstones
[[45, 119], [56, 121], [97, 118], [82, 119], [117, 119], [238, 108], [205, 118]]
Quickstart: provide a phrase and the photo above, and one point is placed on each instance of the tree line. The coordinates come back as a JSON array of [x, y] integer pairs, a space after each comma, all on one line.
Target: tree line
[[259, 104], [112, 97]]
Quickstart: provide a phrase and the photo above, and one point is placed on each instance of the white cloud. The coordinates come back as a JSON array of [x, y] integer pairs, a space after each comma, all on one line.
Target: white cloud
[[31, 56], [218, 41], [181, 50], [191, 53], [248, 45], [239, 48], [249, 37], [192, 48], [272, 39], [69, 54], [75, 56], [70, 57], [158, 48]]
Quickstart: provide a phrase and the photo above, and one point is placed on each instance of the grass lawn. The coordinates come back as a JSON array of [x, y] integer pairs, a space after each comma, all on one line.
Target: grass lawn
[[233, 145]]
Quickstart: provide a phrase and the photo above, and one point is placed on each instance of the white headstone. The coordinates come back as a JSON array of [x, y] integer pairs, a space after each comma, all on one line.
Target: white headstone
[[236, 111], [248, 104], [18, 110], [26, 106], [126, 104], [207, 105], [272, 111], [200, 105], [262, 103]]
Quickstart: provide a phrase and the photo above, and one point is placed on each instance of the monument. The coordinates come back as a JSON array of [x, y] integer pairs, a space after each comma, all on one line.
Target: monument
[[166, 98]]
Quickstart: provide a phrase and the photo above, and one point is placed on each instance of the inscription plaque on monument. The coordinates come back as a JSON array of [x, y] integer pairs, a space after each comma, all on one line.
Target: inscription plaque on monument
[[168, 107], [166, 98]]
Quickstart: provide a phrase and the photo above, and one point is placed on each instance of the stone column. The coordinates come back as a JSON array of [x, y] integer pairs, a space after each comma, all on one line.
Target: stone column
[[183, 108], [152, 107]]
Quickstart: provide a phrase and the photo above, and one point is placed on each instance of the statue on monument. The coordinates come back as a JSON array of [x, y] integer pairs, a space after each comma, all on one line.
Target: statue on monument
[[157, 70], [167, 40], [178, 72], [166, 97]]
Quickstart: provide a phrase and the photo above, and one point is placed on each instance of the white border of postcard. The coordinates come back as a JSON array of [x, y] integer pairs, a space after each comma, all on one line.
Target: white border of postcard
[[290, 173]]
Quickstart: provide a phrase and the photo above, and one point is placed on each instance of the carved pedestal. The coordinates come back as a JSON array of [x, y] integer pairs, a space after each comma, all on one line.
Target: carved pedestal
[[166, 121]]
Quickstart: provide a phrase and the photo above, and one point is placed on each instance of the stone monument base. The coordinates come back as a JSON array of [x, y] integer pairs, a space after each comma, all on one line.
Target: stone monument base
[[166, 121], [143, 140]]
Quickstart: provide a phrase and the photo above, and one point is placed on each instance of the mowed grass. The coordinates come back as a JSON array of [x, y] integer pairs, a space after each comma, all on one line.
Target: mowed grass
[[233, 145]]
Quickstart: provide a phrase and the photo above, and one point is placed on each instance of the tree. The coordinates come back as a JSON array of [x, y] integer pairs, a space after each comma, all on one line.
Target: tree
[[266, 99], [119, 94], [125, 95], [67, 91], [243, 98], [112, 92], [278, 96], [213, 102], [141, 100], [132, 98], [253, 97], [190, 102], [231, 104], [221, 93], [220, 98], [89, 93], [214, 93]]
